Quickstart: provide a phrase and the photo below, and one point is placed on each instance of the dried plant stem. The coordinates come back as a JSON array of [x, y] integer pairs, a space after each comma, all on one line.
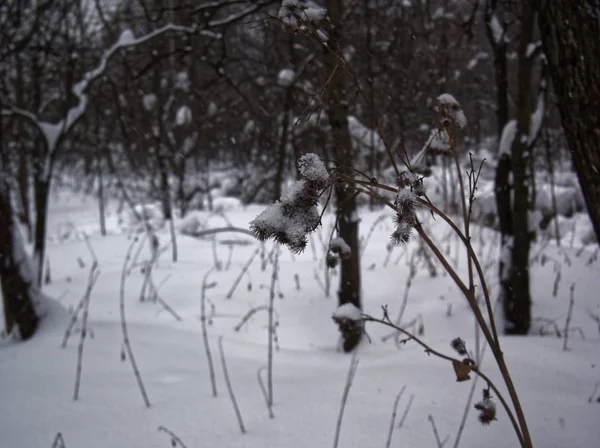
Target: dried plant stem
[[388, 443], [490, 331], [244, 270], [271, 327], [593, 393], [211, 367], [230, 388], [126, 342], [439, 442], [94, 273], [479, 360], [411, 276], [264, 390], [59, 442], [251, 313], [175, 440], [406, 411], [217, 262], [568, 320], [430, 351], [347, 386]]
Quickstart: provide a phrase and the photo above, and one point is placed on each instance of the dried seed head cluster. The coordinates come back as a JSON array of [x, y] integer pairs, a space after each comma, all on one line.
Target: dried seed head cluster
[[459, 346], [451, 112], [486, 408], [296, 214], [410, 186], [439, 141]]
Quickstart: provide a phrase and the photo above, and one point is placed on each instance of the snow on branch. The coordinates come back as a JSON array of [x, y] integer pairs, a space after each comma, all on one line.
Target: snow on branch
[[297, 13], [296, 214], [53, 132]]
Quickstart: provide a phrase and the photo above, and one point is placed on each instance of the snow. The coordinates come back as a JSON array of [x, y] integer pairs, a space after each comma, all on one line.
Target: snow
[[348, 311], [481, 56], [149, 101], [438, 140], [297, 13], [508, 137], [536, 119], [183, 116], [338, 245], [498, 33], [453, 109], [37, 376], [286, 77], [312, 168]]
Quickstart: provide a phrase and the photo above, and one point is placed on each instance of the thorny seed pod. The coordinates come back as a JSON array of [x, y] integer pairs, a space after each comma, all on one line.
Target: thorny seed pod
[[487, 411], [459, 346]]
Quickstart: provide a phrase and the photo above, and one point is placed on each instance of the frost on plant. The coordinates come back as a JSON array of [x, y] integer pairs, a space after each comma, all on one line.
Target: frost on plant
[[296, 214], [410, 186]]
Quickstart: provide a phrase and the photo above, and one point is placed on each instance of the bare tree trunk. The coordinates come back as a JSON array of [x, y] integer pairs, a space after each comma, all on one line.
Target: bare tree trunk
[[518, 311], [347, 219], [570, 33], [41, 188], [18, 304], [23, 182]]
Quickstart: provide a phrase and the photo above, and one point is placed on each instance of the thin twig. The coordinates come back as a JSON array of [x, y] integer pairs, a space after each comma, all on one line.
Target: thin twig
[[126, 342], [94, 274], [405, 414], [264, 390], [59, 442], [439, 442], [271, 327], [393, 421], [347, 386], [230, 388], [175, 440], [211, 367], [568, 320], [244, 270]]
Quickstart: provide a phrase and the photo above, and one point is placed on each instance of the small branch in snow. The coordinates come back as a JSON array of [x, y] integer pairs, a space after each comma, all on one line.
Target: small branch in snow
[[94, 274], [271, 327], [568, 320], [211, 367], [440, 443], [59, 441], [264, 390], [230, 388], [126, 342], [406, 411], [175, 440], [347, 386], [393, 422]]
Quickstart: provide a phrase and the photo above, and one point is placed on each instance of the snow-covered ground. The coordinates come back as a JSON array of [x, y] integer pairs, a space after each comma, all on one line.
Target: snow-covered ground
[[37, 376]]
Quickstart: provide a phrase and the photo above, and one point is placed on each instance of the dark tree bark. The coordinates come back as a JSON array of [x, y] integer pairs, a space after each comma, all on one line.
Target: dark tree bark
[[518, 309], [570, 31], [19, 309], [514, 200], [499, 48], [346, 207]]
